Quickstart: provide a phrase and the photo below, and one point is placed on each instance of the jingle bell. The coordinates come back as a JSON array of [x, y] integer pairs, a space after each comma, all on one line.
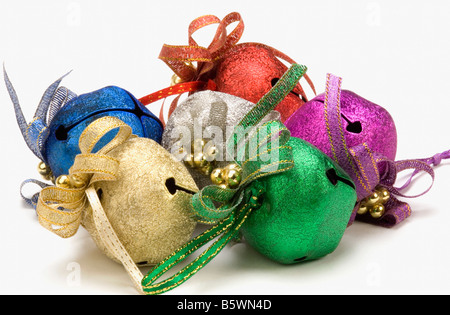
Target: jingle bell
[[249, 71], [205, 115], [61, 116], [362, 120], [148, 203], [305, 210]]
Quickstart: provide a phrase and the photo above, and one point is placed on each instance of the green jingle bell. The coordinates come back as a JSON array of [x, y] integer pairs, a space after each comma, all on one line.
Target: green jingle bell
[[305, 210], [292, 202]]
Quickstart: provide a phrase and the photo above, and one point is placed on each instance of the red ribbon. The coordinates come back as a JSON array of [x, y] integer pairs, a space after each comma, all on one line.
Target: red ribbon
[[196, 78]]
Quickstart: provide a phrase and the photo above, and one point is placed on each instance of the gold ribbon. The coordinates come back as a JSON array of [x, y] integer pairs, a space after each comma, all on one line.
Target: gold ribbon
[[59, 209]]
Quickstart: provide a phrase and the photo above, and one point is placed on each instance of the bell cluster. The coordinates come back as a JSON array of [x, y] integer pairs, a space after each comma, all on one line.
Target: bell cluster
[[374, 204], [202, 157], [228, 177], [73, 181]]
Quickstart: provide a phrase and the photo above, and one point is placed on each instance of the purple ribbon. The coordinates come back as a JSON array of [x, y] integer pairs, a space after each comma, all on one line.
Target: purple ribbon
[[369, 169]]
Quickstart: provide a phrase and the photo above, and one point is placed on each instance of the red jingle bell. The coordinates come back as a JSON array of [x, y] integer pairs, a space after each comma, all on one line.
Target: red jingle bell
[[250, 70], [245, 70]]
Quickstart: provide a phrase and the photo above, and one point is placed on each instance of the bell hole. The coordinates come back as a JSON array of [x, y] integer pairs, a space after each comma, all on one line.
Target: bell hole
[[274, 81], [300, 259], [332, 176], [99, 193], [61, 133], [352, 126], [172, 187], [142, 263]]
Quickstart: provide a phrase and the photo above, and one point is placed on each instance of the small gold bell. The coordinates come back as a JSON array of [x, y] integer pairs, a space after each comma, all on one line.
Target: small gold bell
[[363, 208], [189, 161], [373, 199], [207, 169], [63, 181], [233, 166], [217, 176], [78, 181], [384, 194], [375, 203], [43, 169], [211, 153], [377, 211], [198, 145], [200, 160], [175, 80], [233, 177]]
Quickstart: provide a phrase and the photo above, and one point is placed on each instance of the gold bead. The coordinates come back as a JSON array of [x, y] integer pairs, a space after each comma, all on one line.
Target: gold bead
[[200, 160], [233, 166], [189, 161], [384, 194], [363, 208], [175, 80], [373, 199], [377, 211], [198, 144], [206, 170], [217, 176], [211, 153], [232, 175], [181, 153], [78, 181], [63, 181], [43, 169]]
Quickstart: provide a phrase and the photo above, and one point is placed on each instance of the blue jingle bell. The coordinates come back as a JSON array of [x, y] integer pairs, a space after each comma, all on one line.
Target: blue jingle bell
[[61, 117]]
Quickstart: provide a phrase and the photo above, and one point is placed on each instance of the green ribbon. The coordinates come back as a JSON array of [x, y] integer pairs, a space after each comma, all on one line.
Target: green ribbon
[[259, 153]]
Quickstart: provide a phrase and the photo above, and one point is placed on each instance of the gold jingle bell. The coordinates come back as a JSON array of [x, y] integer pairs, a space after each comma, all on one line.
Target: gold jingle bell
[[363, 208], [227, 177], [384, 194], [377, 211], [45, 171], [373, 199], [63, 181], [233, 175], [217, 176], [71, 181], [374, 204], [175, 80], [202, 159]]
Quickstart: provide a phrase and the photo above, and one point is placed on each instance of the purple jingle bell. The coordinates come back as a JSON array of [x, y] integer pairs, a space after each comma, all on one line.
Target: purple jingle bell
[[362, 121], [361, 137]]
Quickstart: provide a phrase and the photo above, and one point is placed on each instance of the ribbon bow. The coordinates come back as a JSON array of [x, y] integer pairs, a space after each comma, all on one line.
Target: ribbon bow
[[60, 209], [253, 155], [192, 78], [370, 170]]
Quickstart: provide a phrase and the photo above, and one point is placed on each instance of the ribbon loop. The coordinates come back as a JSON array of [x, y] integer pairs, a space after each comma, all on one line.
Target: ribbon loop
[[192, 78], [59, 209], [225, 230]]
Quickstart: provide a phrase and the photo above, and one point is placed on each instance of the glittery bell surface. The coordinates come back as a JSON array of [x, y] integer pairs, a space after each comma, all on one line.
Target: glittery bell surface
[[249, 71], [61, 146], [363, 122], [305, 210], [148, 204], [202, 113]]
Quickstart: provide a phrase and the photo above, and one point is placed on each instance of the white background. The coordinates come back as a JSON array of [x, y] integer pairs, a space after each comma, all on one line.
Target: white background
[[394, 53]]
